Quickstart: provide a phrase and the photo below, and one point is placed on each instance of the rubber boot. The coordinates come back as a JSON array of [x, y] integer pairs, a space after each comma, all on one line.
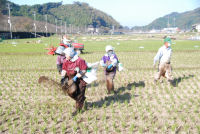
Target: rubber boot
[[110, 86], [79, 107]]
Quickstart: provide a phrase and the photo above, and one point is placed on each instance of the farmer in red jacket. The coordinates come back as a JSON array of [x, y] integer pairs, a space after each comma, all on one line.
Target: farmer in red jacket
[[73, 69]]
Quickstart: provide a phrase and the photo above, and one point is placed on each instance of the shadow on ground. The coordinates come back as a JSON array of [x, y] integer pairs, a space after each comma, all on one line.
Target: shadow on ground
[[130, 85], [116, 97], [109, 100], [176, 81]]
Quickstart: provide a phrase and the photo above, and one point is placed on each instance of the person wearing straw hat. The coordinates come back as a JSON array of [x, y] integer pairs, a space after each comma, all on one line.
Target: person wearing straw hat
[[164, 56], [73, 69], [109, 61]]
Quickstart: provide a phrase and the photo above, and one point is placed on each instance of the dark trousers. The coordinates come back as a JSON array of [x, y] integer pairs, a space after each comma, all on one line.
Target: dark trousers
[[59, 68], [109, 81], [77, 92]]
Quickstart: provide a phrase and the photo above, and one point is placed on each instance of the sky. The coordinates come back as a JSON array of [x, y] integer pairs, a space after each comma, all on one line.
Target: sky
[[130, 12]]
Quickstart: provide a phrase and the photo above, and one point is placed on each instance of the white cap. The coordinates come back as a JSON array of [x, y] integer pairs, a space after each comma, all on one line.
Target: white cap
[[60, 50], [109, 48], [65, 41], [70, 52]]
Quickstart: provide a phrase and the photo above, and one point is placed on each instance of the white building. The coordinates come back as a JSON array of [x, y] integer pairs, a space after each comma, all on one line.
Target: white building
[[196, 27], [91, 29], [171, 30], [154, 31]]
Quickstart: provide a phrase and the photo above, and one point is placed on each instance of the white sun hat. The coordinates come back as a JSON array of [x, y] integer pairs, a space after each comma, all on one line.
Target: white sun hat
[[70, 52], [109, 48], [60, 50]]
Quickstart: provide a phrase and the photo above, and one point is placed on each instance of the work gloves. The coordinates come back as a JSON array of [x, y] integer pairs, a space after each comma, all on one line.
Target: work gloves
[[62, 81], [109, 66], [78, 75], [75, 78]]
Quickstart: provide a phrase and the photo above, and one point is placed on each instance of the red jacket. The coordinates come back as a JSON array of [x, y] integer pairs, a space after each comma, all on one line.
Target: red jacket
[[70, 66]]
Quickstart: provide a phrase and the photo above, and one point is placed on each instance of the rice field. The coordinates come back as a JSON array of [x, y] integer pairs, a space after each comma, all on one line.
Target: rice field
[[139, 106]]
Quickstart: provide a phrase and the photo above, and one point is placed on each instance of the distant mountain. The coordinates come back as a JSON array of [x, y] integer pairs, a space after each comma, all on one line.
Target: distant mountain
[[77, 14], [183, 20]]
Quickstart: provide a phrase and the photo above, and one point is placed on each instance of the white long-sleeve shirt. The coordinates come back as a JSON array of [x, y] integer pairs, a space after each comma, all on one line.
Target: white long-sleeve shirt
[[163, 55]]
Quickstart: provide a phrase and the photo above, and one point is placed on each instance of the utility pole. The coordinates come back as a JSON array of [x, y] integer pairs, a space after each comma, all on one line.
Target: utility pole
[[46, 24], [85, 29], [56, 26], [70, 28], [168, 22], [113, 29], [61, 27], [174, 21], [9, 20], [34, 24], [65, 28]]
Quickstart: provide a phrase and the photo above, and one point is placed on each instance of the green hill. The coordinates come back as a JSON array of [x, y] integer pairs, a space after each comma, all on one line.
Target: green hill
[[77, 14], [183, 20]]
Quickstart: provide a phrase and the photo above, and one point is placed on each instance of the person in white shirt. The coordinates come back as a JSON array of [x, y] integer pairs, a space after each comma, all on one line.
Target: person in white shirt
[[66, 40], [163, 56]]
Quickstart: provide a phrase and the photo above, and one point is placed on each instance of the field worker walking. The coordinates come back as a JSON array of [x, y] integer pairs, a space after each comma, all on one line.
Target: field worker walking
[[60, 58], [73, 69], [66, 40], [59, 51], [163, 56], [109, 61]]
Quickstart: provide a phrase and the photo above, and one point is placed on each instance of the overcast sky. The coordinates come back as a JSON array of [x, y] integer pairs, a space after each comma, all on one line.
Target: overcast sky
[[130, 12]]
